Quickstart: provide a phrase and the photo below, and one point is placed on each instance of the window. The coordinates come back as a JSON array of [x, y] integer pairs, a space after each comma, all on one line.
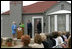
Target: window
[[62, 7], [61, 20]]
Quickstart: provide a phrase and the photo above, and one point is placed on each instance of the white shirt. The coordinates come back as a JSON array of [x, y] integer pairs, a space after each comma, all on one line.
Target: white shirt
[[19, 28], [59, 40]]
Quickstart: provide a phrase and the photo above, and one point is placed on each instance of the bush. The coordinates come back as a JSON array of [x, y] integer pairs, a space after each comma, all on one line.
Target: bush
[[9, 42]]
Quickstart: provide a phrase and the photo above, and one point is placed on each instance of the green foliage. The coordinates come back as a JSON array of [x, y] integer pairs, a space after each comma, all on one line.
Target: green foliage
[[9, 40]]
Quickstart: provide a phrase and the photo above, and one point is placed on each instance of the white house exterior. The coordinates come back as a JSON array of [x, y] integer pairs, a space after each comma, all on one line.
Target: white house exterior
[[56, 16]]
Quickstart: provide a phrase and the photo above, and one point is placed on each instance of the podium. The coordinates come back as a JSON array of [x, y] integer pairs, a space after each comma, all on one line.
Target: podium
[[19, 33]]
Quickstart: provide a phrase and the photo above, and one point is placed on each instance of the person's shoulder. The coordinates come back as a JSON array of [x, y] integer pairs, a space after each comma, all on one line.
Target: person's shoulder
[[45, 42], [34, 45], [60, 37], [42, 45]]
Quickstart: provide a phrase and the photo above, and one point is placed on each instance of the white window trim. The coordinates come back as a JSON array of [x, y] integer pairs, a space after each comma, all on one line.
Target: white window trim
[[49, 24], [67, 22], [55, 22]]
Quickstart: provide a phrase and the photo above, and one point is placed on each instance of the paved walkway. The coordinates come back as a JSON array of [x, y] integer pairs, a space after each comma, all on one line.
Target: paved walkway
[[19, 44]]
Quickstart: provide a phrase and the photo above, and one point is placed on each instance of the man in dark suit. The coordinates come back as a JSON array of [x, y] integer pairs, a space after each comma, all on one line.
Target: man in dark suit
[[39, 30], [29, 28]]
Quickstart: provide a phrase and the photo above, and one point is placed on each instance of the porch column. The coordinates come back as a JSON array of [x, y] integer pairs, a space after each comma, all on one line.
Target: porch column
[[32, 27], [55, 17], [49, 24], [67, 22]]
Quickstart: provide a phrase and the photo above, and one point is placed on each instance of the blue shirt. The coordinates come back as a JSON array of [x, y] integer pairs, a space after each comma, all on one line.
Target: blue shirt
[[14, 27]]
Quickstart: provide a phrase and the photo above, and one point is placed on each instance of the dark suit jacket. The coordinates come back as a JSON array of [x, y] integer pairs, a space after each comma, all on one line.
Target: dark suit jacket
[[39, 26]]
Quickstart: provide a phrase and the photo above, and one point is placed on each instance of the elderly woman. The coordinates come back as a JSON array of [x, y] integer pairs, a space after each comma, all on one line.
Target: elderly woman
[[25, 39], [51, 40], [44, 40], [14, 27], [37, 42]]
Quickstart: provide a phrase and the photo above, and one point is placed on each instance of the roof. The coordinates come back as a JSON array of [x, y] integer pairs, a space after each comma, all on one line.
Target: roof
[[60, 12], [38, 7]]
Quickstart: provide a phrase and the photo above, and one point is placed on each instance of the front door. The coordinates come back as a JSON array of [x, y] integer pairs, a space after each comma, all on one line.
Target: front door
[[34, 24]]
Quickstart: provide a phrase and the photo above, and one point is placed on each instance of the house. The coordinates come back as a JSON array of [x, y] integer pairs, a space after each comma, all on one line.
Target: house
[[56, 16]]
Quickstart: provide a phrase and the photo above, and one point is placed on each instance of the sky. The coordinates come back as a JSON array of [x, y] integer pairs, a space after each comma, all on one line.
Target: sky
[[5, 6]]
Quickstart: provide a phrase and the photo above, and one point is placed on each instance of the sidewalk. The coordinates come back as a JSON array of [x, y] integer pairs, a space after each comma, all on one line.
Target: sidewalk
[[19, 44]]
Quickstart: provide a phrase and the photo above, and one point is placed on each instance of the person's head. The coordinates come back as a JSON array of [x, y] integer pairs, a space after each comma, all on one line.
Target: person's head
[[69, 42], [43, 36], [59, 33], [28, 21], [55, 34], [37, 39], [63, 33], [38, 21], [14, 22], [25, 39]]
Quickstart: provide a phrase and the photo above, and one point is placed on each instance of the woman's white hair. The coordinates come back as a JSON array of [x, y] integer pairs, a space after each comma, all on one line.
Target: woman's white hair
[[43, 36]]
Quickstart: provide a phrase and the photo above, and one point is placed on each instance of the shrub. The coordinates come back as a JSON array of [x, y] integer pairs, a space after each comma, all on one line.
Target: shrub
[[9, 42]]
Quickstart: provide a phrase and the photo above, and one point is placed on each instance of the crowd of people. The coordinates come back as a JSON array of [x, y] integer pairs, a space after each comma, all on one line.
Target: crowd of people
[[56, 39]]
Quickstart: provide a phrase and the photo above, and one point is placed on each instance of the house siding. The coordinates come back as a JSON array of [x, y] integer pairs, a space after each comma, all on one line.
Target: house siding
[[29, 17], [57, 7], [16, 15], [6, 28]]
